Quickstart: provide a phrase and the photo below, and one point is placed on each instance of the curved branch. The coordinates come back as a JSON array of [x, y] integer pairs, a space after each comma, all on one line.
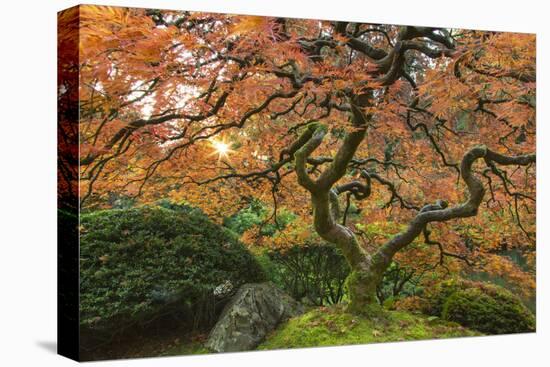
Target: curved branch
[[312, 137], [339, 164], [325, 211], [469, 208]]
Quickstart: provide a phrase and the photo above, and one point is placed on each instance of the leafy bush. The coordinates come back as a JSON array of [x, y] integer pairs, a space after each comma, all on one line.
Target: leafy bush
[[413, 304], [312, 271], [398, 282], [138, 264], [256, 214], [245, 218], [485, 307]]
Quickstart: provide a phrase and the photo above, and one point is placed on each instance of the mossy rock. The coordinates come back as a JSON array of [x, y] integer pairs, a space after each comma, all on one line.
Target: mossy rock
[[253, 312], [331, 326], [136, 264], [481, 306]]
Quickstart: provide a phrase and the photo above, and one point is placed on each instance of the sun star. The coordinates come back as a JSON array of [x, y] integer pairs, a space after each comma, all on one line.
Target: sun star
[[221, 148]]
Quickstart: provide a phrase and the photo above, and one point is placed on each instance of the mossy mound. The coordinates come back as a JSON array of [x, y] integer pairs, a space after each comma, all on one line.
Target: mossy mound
[[137, 264], [481, 306], [330, 326]]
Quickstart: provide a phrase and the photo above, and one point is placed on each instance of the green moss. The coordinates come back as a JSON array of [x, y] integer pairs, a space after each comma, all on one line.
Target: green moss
[[389, 303], [333, 326]]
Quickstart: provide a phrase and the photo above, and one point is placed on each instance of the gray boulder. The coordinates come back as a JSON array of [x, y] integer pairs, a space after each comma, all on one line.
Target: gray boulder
[[255, 310]]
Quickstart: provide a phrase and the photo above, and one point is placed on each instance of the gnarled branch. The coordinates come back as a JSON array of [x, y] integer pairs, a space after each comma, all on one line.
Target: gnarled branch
[[469, 208]]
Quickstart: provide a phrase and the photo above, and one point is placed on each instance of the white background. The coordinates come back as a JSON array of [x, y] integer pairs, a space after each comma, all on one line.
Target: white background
[[28, 182]]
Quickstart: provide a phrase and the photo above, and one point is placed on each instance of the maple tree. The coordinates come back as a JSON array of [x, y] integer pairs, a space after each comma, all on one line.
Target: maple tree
[[392, 142]]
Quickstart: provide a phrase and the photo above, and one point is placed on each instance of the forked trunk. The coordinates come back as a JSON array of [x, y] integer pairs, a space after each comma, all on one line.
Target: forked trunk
[[361, 288], [367, 270], [361, 285]]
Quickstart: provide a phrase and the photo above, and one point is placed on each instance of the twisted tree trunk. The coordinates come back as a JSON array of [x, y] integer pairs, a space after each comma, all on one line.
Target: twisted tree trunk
[[368, 269]]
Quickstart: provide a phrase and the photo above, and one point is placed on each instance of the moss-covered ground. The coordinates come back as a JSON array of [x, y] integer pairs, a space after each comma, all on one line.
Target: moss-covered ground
[[328, 326]]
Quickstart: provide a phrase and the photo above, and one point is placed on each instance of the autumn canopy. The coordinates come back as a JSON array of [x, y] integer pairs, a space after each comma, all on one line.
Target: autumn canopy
[[390, 142]]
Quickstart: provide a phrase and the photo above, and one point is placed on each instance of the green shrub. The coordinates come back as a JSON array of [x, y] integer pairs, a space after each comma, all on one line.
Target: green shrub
[[246, 218], [398, 282], [481, 306], [140, 263], [256, 213], [316, 272], [441, 292], [270, 268]]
